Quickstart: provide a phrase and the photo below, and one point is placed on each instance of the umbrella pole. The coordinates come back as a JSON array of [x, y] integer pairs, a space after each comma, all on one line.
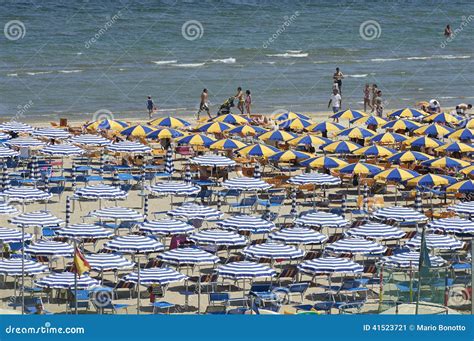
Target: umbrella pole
[[138, 286], [199, 295], [75, 284], [23, 269]]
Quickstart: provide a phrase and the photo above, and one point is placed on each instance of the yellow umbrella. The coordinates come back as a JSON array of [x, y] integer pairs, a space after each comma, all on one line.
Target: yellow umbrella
[[470, 124], [430, 180], [469, 170], [309, 139], [227, 144], [374, 150], [277, 135], [441, 118], [396, 174], [455, 147], [369, 120], [324, 162]]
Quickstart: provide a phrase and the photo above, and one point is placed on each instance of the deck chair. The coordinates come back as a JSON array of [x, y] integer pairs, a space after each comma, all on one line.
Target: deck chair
[[218, 303], [82, 300], [288, 273], [244, 204], [124, 285], [294, 289], [273, 201]]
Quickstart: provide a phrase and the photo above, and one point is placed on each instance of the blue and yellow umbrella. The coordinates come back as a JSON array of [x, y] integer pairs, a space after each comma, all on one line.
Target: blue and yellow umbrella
[[441, 118], [341, 147], [446, 162], [232, 119], [433, 130], [431, 180], [164, 133], [349, 115], [289, 155], [374, 150], [258, 150], [295, 124], [107, 124], [456, 147], [388, 138], [423, 141], [247, 130], [196, 140], [356, 133], [396, 174], [227, 144], [309, 139], [290, 115], [137, 130], [401, 125], [470, 124], [408, 113], [409, 156], [171, 122], [360, 168], [462, 134], [215, 127], [277, 135], [369, 121], [466, 186], [323, 162], [469, 170], [325, 127]]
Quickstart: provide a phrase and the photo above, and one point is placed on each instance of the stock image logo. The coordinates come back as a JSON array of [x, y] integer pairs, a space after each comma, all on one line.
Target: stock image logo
[[370, 30], [14, 30], [192, 30]]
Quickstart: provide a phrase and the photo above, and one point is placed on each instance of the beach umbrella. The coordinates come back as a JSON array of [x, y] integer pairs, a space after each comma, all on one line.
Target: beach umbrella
[[423, 141], [274, 251], [290, 115], [315, 179], [330, 265], [431, 180], [107, 124], [418, 201], [399, 214], [467, 170], [62, 150], [49, 248], [434, 130], [188, 255], [289, 155], [195, 211], [321, 219], [107, 262], [174, 187], [188, 177], [410, 260], [446, 162], [215, 127], [298, 124], [435, 241], [277, 136], [138, 130], [349, 115], [244, 183], [171, 122], [298, 235], [227, 144], [462, 134], [470, 124], [409, 156], [34, 169], [456, 147], [396, 174], [355, 246], [369, 121], [100, 191], [117, 213], [452, 225], [356, 133], [246, 130], [213, 161], [325, 127], [323, 162], [4, 136], [408, 113], [244, 270], [151, 276], [294, 210], [67, 280], [13, 267], [24, 142], [463, 208], [25, 194], [90, 140], [341, 147], [8, 153], [441, 118], [218, 237], [360, 168], [344, 206], [164, 133], [128, 147], [466, 186], [401, 125], [258, 150], [17, 127], [308, 139], [167, 227], [84, 231], [51, 133], [231, 119], [37, 218], [374, 150], [365, 198], [8, 235], [257, 173], [146, 208], [169, 165], [5, 177], [387, 138], [247, 223], [133, 244], [196, 140], [375, 231]]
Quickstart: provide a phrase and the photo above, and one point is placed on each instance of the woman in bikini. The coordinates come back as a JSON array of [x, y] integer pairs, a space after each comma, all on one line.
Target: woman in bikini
[[240, 97]]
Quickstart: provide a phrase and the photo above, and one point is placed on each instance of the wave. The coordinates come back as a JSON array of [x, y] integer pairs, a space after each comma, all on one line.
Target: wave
[[289, 55], [454, 57], [384, 59], [449, 56], [358, 76], [190, 65], [225, 60], [12, 75], [70, 71], [38, 73], [164, 62]]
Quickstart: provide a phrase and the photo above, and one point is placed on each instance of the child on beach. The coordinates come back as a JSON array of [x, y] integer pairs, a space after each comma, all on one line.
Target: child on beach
[[367, 97], [248, 102], [204, 104], [240, 98], [150, 106], [335, 101]]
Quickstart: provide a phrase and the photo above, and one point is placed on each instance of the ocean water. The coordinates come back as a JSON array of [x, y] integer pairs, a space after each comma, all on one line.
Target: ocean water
[[80, 57]]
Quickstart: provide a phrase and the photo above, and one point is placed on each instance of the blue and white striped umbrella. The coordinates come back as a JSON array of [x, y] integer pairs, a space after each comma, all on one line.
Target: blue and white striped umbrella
[[90, 140], [134, 244], [314, 178], [298, 235], [160, 276], [329, 265], [34, 169], [37, 218], [174, 187], [25, 194], [355, 246], [213, 161], [108, 262], [117, 213], [401, 214], [100, 192], [169, 165], [218, 237], [418, 201], [49, 248], [244, 270], [4, 136], [62, 150], [83, 231], [5, 179], [52, 133], [6, 209], [436, 241], [194, 211], [188, 255], [17, 127], [247, 223], [377, 231], [129, 147], [273, 251], [257, 173], [321, 219], [7, 152], [12, 236], [410, 260], [166, 227], [24, 142], [188, 177], [463, 208], [244, 183], [12, 267], [452, 225], [66, 280]]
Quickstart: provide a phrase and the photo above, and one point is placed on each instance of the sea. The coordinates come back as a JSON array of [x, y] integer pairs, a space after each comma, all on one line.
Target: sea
[[63, 58]]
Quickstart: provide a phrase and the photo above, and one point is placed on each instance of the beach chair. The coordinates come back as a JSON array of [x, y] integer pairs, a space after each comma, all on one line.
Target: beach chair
[[262, 295], [160, 306], [244, 204], [273, 201], [47, 232], [82, 300], [115, 308], [289, 273], [123, 285], [294, 289], [218, 303]]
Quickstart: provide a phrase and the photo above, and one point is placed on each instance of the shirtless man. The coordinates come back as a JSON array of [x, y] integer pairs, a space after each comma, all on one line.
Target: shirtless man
[[337, 77], [204, 104], [462, 109], [240, 98]]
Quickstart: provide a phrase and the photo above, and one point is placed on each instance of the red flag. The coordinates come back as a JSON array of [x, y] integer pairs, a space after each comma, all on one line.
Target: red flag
[[80, 264]]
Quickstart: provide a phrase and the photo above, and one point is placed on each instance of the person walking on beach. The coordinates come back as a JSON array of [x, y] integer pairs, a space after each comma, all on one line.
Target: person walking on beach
[[367, 97], [204, 104], [337, 77], [240, 98], [335, 101], [447, 31], [150, 106], [374, 96], [248, 102], [379, 104]]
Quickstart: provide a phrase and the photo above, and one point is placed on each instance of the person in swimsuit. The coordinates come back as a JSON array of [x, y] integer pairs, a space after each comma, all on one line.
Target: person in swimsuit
[[150, 106], [367, 97], [447, 31], [248, 102], [337, 77], [204, 104], [240, 98], [374, 96]]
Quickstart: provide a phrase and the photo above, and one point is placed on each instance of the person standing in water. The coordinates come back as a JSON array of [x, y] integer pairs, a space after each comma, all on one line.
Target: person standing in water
[[240, 98], [379, 104], [248, 102], [448, 32], [374, 95], [367, 97], [337, 77], [150, 106], [204, 105]]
